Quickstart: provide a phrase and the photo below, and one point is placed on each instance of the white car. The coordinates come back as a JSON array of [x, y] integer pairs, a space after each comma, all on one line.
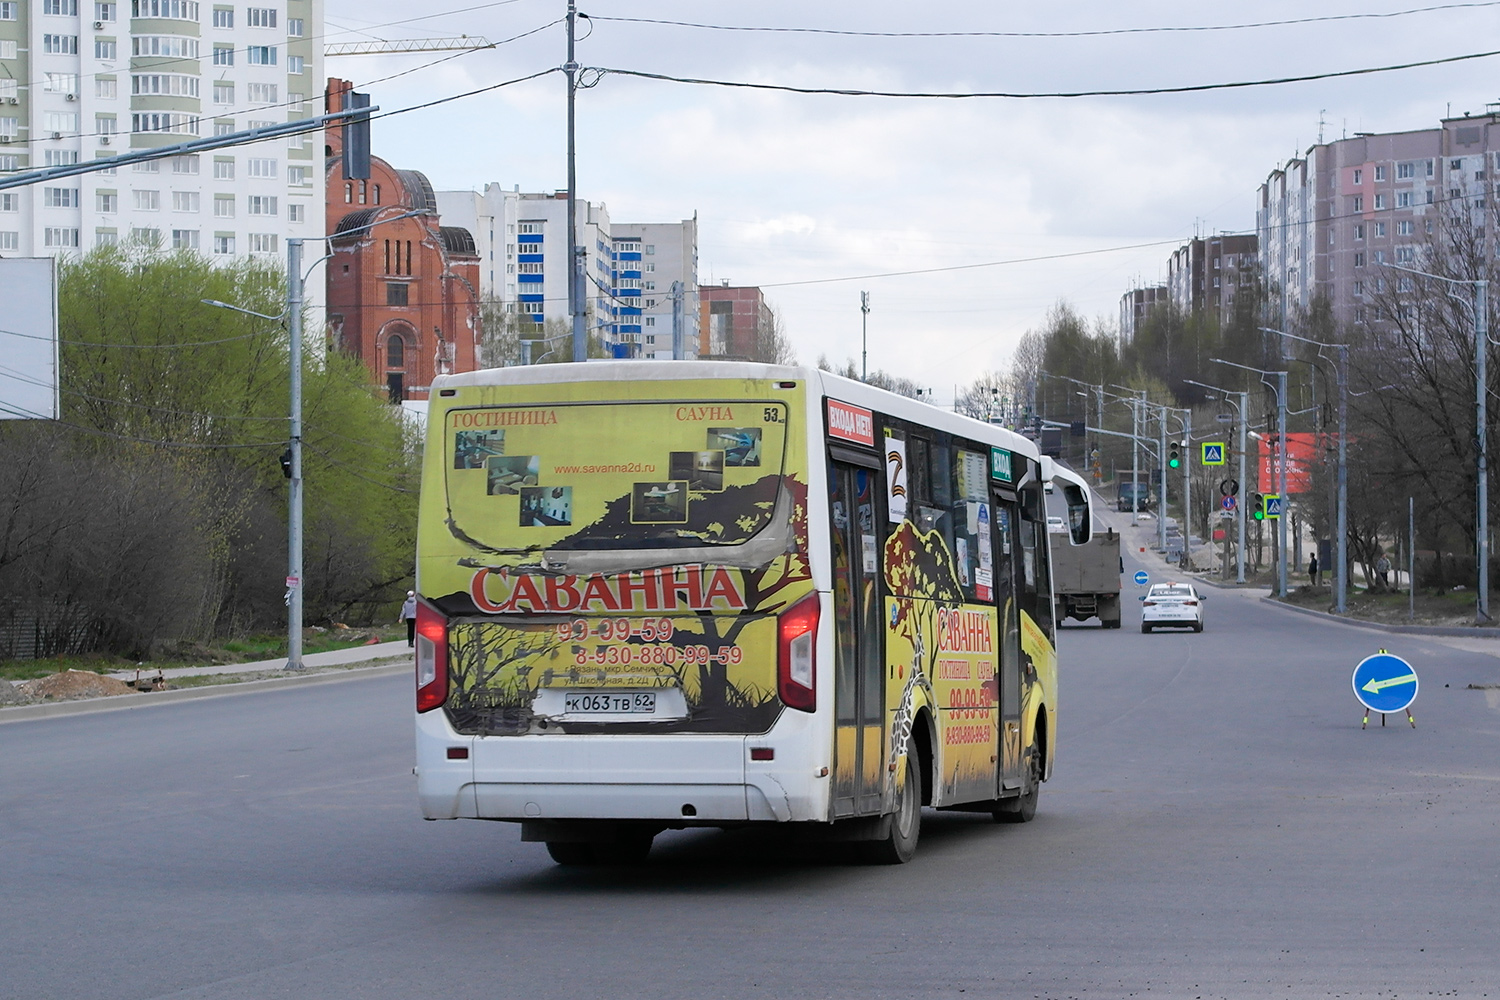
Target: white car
[[1176, 605], [1056, 525]]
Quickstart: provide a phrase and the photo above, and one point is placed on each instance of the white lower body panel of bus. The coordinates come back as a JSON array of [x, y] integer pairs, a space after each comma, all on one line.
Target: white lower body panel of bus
[[679, 778]]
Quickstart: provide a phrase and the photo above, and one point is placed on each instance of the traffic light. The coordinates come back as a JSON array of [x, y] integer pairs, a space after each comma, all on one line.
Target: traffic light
[[286, 463], [1174, 455], [1258, 506]]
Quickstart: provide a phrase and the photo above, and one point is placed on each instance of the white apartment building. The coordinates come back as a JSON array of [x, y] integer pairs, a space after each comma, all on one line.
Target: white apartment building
[[522, 239], [88, 79], [651, 257]]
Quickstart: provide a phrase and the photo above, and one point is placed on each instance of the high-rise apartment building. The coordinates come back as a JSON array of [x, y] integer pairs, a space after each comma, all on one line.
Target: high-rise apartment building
[[1136, 305], [1328, 222], [88, 79], [651, 259], [521, 239], [1204, 275]]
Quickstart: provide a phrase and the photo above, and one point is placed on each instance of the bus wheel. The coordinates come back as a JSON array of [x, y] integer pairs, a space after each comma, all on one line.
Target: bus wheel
[[1022, 809], [900, 845], [571, 852]]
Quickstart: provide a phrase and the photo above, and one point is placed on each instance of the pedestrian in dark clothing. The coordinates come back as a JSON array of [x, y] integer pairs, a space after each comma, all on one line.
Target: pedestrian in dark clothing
[[409, 612], [1312, 569], [1383, 570]]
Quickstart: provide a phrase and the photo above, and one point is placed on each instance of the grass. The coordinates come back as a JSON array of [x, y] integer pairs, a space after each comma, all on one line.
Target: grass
[[1433, 607], [239, 649]]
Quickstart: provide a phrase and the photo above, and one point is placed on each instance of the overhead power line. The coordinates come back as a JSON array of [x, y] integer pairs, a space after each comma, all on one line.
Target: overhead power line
[[970, 267], [1017, 95], [1091, 33]]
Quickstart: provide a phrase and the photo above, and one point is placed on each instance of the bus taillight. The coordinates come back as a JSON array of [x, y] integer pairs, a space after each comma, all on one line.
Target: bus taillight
[[796, 666], [432, 658]]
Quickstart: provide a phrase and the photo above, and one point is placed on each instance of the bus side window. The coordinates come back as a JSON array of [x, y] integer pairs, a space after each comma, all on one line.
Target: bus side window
[[919, 477], [936, 490]]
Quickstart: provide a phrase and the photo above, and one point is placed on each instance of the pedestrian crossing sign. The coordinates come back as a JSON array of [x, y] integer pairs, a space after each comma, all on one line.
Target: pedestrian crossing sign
[[1213, 453], [1273, 505]]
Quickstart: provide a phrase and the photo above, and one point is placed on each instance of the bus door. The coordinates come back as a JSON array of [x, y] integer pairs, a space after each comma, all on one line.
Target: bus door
[[1006, 522], [859, 673]]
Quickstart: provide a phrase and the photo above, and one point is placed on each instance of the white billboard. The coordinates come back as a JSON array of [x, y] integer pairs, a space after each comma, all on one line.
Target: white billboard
[[28, 339]]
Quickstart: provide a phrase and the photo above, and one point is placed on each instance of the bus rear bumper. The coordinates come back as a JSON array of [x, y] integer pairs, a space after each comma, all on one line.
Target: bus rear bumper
[[691, 780]]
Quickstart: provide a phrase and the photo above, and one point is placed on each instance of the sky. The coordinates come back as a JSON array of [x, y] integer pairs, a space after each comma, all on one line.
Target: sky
[[794, 192]]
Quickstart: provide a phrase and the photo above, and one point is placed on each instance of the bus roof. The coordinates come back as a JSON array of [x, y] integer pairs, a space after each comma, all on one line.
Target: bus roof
[[826, 383]]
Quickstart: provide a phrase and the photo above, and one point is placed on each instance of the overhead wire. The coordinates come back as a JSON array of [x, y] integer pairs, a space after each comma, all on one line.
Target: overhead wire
[[263, 108], [1087, 33], [90, 343], [1192, 88]]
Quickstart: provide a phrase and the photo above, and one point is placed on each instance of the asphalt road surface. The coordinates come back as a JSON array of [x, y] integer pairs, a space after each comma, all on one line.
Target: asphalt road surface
[[1219, 826]]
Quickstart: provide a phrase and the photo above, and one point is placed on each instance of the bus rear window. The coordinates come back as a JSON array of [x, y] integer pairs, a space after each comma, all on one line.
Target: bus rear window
[[622, 475]]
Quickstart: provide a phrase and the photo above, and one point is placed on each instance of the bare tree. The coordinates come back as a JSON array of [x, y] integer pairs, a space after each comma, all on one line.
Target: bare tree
[[772, 346], [986, 397]]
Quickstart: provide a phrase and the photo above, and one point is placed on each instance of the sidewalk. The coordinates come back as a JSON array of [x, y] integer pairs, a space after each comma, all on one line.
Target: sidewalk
[[332, 658], [374, 660]]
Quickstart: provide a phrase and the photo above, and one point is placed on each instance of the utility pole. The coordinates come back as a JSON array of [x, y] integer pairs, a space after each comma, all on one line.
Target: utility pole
[[1135, 440], [1341, 585], [1187, 488], [864, 336], [1280, 462], [294, 424], [679, 347], [1481, 436], [1161, 501], [1239, 559], [575, 266], [1281, 518]]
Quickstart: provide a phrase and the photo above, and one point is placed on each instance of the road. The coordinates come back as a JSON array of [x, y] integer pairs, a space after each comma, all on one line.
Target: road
[[1219, 826]]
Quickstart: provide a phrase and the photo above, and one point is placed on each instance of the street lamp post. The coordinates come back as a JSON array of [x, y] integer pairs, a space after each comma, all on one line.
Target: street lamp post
[[1481, 432], [1281, 518], [1135, 464], [1243, 407], [1341, 598]]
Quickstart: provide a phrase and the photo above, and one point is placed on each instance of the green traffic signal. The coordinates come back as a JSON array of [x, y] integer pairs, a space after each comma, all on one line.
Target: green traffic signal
[[1259, 510], [1174, 456]]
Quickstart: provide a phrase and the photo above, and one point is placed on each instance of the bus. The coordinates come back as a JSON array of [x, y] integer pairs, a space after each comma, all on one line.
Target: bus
[[660, 595]]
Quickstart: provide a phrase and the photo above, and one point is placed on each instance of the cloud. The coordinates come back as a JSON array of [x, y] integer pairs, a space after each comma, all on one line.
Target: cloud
[[791, 188]]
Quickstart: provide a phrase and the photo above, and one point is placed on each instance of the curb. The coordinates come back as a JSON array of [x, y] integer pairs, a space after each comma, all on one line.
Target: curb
[[146, 699], [1445, 630]]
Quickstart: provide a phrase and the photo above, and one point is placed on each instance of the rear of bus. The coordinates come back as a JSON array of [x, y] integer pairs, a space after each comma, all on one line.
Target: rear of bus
[[616, 616]]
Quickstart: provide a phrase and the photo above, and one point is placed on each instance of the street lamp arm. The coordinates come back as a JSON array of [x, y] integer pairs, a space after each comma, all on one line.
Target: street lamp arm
[[240, 309]]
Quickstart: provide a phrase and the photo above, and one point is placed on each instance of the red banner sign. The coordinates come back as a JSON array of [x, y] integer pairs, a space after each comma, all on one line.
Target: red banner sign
[[1301, 453], [851, 423]]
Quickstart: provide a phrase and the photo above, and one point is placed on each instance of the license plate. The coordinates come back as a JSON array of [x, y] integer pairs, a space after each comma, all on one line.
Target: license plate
[[607, 703]]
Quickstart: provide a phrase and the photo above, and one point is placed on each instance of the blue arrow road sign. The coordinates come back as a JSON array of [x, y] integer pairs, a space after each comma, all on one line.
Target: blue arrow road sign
[[1273, 505], [1142, 578], [1385, 683]]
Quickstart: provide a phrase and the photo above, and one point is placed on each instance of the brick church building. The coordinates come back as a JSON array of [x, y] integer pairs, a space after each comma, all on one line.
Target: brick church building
[[403, 294]]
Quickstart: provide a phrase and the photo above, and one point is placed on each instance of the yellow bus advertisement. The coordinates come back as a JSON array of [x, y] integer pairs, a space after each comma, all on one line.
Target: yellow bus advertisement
[[622, 560]]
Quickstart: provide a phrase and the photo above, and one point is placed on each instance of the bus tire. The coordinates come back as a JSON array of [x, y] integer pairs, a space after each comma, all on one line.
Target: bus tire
[[571, 852], [900, 844], [1022, 808]]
